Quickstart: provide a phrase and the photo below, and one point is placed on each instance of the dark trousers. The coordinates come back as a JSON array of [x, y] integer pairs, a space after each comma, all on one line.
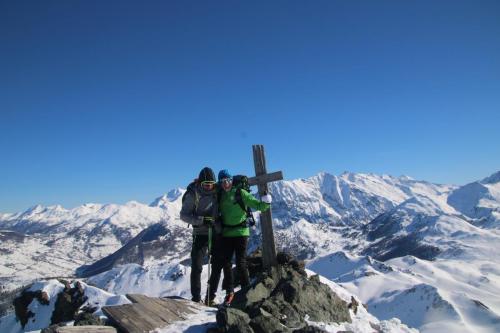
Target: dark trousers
[[199, 251], [230, 246], [219, 263]]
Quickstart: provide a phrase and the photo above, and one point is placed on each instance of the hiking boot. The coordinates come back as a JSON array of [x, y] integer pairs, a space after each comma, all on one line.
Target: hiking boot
[[209, 302], [228, 299], [196, 300]]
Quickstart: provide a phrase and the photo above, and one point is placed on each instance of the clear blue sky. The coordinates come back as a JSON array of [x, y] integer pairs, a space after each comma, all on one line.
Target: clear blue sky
[[109, 101]]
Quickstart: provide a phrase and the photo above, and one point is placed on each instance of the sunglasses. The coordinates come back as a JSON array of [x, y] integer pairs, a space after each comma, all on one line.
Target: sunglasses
[[226, 180], [208, 183]]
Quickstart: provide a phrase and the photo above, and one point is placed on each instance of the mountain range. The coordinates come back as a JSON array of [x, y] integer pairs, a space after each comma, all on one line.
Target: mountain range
[[421, 252]]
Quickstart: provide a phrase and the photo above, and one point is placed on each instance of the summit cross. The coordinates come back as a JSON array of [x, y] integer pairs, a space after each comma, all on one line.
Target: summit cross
[[261, 179]]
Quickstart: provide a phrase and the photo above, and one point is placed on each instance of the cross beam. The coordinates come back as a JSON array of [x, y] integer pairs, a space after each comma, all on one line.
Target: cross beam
[[266, 220], [267, 178]]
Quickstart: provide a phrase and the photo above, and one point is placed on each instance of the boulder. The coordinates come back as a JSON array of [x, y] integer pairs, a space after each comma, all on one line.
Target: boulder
[[22, 302], [267, 323], [232, 320], [279, 300], [258, 292], [284, 312], [68, 302], [312, 298]]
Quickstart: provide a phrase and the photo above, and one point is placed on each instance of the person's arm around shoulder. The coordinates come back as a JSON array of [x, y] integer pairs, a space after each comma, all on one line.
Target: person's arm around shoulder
[[250, 201], [188, 210]]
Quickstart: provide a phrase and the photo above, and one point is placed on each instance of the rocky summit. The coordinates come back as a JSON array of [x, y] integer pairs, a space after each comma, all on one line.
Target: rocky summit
[[281, 300]]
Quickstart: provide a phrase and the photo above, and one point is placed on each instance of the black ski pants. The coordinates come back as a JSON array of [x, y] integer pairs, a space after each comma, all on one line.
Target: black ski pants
[[199, 251], [231, 246], [219, 263]]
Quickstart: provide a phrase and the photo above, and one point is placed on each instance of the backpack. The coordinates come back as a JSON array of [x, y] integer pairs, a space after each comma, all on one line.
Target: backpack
[[192, 189], [241, 183]]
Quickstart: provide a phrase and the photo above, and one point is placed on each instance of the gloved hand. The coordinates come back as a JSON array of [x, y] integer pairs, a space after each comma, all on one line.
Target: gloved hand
[[266, 198], [208, 221]]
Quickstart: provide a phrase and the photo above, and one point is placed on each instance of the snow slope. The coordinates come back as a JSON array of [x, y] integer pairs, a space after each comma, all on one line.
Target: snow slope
[[433, 296], [479, 200]]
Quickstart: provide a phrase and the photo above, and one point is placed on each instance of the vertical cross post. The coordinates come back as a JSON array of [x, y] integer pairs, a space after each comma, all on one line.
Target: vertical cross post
[[266, 220]]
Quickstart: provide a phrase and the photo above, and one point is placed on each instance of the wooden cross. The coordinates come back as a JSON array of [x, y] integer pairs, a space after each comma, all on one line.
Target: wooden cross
[[266, 220]]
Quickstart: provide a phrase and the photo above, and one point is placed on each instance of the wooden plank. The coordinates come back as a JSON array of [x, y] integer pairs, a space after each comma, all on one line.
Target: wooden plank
[[147, 313], [180, 309], [130, 318], [86, 329], [159, 308], [118, 314], [268, 246], [150, 318], [266, 178], [177, 308]]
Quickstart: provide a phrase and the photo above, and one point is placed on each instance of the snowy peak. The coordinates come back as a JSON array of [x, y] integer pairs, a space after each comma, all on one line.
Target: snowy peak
[[171, 196], [493, 179], [351, 198], [478, 199]]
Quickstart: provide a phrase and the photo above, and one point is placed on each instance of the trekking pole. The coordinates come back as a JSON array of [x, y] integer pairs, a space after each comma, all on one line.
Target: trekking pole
[[209, 264]]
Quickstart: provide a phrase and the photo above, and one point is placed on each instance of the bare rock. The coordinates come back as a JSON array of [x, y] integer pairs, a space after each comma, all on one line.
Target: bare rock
[[22, 302], [313, 298], [232, 320], [353, 305], [67, 304], [281, 298], [267, 323]]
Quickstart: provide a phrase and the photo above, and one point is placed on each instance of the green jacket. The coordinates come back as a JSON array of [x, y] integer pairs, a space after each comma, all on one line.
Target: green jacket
[[232, 214]]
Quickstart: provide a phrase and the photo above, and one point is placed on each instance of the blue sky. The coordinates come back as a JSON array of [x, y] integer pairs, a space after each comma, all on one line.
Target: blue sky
[[111, 101]]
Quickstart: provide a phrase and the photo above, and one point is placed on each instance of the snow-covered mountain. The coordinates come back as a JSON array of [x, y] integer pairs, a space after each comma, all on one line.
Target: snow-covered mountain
[[53, 241], [56, 240], [435, 239], [479, 200], [348, 199]]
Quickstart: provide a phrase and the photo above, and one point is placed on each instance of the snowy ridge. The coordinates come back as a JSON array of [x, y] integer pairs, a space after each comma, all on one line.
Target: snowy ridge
[[350, 199], [53, 241], [479, 200], [433, 296], [438, 243]]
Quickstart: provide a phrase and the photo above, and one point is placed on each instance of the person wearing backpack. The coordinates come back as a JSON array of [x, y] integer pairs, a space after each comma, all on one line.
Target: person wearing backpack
[[235, 200], [200, 209]]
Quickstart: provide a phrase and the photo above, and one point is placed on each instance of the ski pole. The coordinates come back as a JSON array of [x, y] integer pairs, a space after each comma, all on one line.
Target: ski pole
[[209, 263]]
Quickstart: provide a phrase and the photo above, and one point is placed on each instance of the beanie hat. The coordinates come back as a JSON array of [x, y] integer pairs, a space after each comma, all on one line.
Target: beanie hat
[[224, 174], [206, 175]]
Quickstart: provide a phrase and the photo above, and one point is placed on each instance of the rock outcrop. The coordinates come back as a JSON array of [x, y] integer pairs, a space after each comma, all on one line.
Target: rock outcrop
[[67, 306], [68, 303], [22, 302], [281, 300]]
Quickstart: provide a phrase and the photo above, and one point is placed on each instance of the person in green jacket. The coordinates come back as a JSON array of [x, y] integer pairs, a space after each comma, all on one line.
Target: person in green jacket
[[235, 231]]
